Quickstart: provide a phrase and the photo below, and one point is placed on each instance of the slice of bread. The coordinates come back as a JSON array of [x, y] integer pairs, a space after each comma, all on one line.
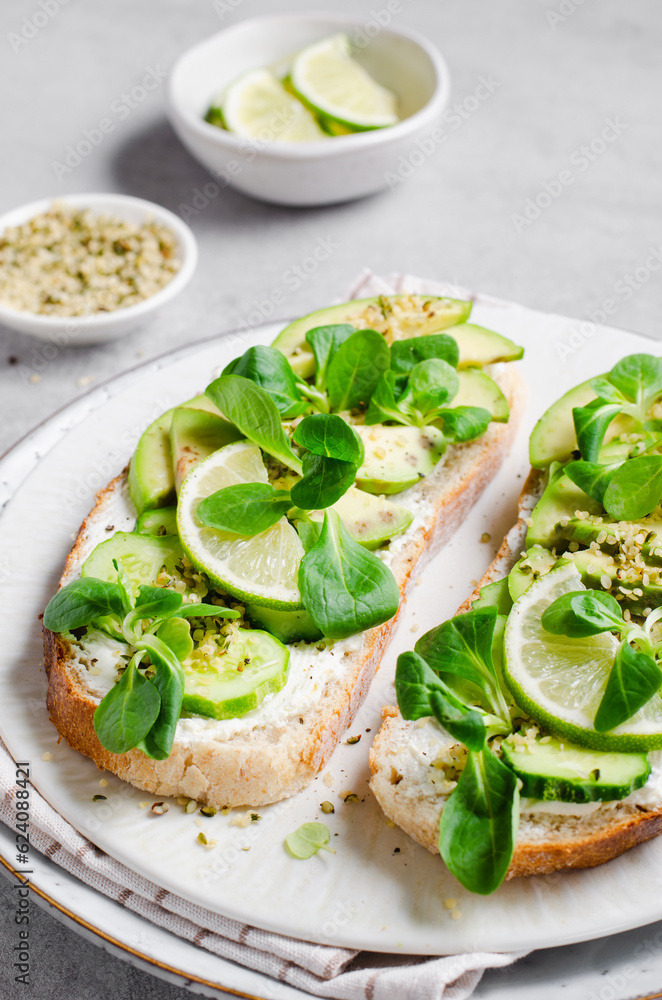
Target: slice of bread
[[277, 749], [408, 779]]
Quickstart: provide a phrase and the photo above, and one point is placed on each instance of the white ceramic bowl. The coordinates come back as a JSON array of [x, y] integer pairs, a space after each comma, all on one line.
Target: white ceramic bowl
[[100, 327], [311, 173]]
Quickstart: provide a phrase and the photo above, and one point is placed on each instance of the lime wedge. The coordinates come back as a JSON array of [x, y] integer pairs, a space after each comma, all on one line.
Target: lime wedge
[[336, 87], [262, 569], [560, 681], [257, 106]]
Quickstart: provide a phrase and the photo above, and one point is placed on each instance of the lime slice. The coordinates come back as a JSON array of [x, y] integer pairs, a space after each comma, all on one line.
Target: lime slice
[[257, 106], [262, 569], [559, 681], [335, 86]]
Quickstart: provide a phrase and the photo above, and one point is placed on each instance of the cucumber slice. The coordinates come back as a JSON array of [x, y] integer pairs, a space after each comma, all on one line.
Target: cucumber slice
[[396, 316], [287, 626], [151, 475], [569, 773], [142, 557], [236, 681], [162, 521]]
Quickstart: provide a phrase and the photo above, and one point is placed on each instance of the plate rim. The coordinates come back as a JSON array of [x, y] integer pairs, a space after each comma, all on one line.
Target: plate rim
[[69, 915]]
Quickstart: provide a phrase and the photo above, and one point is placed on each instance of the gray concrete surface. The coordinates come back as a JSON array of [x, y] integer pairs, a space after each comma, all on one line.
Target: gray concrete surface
[[563, 75]]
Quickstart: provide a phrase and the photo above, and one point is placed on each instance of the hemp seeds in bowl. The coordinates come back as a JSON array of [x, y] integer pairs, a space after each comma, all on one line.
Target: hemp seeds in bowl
[[90, 267]]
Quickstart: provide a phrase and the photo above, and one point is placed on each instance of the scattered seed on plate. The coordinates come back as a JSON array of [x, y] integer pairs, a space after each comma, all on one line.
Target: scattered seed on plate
[[159, 808], [241, 819], [327, 807]]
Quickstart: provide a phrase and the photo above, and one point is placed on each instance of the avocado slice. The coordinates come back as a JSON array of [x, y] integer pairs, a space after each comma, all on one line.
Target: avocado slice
[[478, 389], [195, 434], [370, 520], [528, 568], [553, 439], [162, 521], [494, 595], [151, 475], [479, 346], [396, 316], [569, 773], [561, 499], [397, 457], [586, 531], [593, 566]]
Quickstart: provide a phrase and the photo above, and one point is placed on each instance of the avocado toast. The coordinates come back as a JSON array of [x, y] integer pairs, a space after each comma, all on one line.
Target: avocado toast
[[530, 726], [264, 534]]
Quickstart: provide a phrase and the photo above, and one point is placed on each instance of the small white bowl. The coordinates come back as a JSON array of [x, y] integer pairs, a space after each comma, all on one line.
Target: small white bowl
[[97, 328], [311, 173]]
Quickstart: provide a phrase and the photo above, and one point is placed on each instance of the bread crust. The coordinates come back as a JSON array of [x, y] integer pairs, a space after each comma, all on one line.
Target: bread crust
[[549, 842], [272, 763]]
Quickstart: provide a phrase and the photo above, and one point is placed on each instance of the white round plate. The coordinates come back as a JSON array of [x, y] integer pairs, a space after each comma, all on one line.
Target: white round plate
[[380, 891]]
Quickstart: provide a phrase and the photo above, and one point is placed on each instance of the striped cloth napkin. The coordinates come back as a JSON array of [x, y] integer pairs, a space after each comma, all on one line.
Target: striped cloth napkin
[[320, 970]]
